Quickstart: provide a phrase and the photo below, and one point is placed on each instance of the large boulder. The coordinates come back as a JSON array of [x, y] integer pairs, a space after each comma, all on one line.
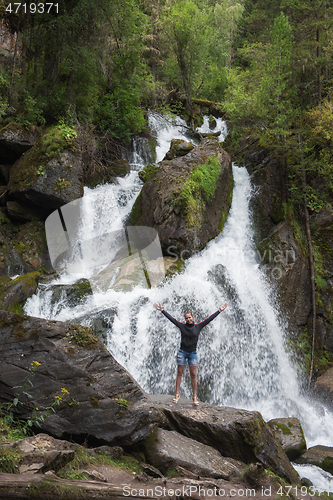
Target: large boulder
[[14, 293], [324, 387], [239, 434], [23, 248], [104, 403], [188, 198], [15, 139], [50, 174], [290, 434], [167, 450], [321, 456]]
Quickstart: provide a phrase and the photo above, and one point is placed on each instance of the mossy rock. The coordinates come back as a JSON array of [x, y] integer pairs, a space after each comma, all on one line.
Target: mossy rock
[[14, 293], [148, 172]]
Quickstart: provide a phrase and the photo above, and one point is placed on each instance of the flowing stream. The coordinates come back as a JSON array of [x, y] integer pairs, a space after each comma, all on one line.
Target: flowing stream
[[242, 356]]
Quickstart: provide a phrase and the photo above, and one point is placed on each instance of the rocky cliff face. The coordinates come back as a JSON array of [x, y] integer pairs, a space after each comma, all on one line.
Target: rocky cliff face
[[284, 254], [187, 198]]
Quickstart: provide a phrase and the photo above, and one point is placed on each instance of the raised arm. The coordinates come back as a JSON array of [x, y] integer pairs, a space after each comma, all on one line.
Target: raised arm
[[167, 315], [212, 316]]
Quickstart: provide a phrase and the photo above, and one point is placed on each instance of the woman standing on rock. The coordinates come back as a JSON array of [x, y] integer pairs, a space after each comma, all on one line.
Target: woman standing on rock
[[188, 347]]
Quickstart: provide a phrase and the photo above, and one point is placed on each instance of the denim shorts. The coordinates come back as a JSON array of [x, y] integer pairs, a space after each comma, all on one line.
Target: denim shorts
[[191, 358]]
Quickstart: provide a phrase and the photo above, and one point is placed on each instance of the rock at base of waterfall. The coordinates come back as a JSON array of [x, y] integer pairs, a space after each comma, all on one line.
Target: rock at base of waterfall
[[71, 372], [185, 211], [324, 387], [168, 450], [240, 434], [322, 456], [289, 432]]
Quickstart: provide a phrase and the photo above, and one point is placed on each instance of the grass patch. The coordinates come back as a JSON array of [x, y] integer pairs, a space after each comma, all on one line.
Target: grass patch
[[83, 458], [84, 337], [9, 460], [198, 189]]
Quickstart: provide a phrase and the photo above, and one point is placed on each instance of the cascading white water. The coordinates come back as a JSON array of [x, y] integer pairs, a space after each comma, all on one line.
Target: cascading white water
[[243, 362]]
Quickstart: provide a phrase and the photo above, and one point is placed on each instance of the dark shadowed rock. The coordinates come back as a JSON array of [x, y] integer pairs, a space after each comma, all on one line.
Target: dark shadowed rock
[[19, 212], [290, 434], [322, 456], [23, 248], [15, 139], [104, 402], [120, 168], [187, 206], [167, 450], [324, 387], [240, 434], [47, 183]]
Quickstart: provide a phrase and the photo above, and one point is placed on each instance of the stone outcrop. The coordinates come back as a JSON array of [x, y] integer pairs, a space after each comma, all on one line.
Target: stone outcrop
[[178, 147], [168, 450], [322, 456], [240, 434], [14, 293], [324, 387], [15, 140], [23, 249], [289, 432], [104, 402], [187, 206], [50, 185]]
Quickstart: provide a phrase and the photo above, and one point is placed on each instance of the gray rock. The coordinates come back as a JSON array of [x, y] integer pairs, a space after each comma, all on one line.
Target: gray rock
[[41, 452], [239, 434], [19, 212], [104, 402], [324, 386], [169, 449], [54, 183], [185, 223], [290, 434], [13, 293], [15, 139], [322, 456]]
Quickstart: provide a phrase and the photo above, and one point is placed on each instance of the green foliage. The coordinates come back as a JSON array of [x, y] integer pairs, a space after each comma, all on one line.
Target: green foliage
[[198, 188], [9, 460], [83, 337], [119, 112], [39, 414], [56, 139]]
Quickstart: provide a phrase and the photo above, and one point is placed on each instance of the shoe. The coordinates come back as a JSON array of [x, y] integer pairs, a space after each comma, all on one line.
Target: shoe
[[195, 401], [176, 398]]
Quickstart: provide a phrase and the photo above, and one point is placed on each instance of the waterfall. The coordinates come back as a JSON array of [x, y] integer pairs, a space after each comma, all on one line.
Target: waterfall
[[242, 358]]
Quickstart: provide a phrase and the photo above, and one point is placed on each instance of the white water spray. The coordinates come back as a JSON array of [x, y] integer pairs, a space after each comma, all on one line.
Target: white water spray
[[242, 360]]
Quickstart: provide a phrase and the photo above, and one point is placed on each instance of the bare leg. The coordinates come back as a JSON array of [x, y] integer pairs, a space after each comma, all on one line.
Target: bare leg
[[180, 372], [193, 373]]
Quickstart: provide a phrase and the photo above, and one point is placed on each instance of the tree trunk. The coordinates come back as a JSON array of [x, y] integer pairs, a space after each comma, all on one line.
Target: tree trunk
[[14, 58], [311, 265]]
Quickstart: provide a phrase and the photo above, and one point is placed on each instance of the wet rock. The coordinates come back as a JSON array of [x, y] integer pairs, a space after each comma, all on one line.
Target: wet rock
[[322, 456], [120, 168], [186, 218], [14, 293], [167, 450], [104, 402], [15, 139], [239, 434], [178, 147], [290, 434], [324, 387]]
